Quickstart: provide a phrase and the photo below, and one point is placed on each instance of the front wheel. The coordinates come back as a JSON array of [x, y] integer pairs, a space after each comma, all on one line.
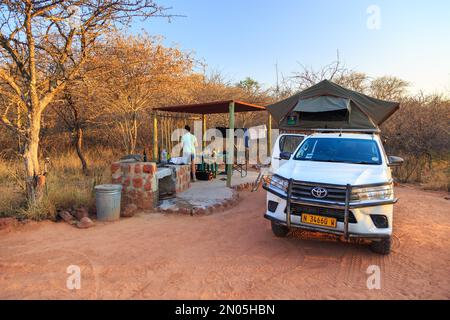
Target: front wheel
[[382, 247], [279, 230]]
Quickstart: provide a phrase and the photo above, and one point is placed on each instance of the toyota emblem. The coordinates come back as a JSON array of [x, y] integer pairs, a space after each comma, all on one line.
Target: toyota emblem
[[319, 192]]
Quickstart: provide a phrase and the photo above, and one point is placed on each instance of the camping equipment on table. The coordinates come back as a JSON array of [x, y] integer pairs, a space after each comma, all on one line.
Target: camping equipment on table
[[178, 160], [327, 105], [163, 156]]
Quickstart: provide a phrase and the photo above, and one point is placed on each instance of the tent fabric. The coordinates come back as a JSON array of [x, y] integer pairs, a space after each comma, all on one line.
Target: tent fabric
[[322, 104], [364, 112]]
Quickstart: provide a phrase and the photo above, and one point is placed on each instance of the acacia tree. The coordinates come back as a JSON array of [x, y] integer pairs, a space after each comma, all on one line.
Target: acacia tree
[[251, 91], [77, 110], [335, 71], [388, 88], [43, 45], [139, 74]]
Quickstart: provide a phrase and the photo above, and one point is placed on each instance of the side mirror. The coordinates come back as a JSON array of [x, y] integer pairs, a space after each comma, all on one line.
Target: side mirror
[[395, 161], [285, 155]]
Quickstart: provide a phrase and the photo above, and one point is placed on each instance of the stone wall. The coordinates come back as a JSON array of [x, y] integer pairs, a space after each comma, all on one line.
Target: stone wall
[[140, 184], [183, 177], [178, 179]]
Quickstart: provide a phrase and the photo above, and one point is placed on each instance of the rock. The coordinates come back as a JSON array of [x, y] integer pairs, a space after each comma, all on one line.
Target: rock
[[67, 217], [85, 223], [185, 211], [81, 212], [226, 204], [129, 210], [198, 211]]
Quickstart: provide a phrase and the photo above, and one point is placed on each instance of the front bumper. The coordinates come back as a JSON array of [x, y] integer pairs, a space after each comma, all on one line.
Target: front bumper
[[362, 228]]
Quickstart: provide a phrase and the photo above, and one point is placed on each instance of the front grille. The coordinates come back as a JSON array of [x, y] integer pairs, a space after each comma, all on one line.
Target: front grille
[[297, 209], [302, 190]]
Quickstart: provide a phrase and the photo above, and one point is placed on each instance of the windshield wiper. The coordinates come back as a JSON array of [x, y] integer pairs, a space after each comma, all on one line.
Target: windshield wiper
[[331, 160], [339, 161], [364, 162]]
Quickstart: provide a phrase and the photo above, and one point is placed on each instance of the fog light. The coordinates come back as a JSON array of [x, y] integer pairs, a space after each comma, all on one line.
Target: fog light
[[380, 221], [272, 205]]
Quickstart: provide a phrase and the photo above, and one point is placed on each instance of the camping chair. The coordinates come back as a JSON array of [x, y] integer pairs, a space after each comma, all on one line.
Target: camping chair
[[239, 167]]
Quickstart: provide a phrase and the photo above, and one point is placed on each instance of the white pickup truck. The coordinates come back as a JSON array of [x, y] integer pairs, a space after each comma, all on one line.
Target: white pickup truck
[[338, 183]]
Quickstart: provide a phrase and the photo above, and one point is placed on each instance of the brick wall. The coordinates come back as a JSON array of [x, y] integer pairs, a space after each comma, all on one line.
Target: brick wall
[[140, 185], [183, 177]]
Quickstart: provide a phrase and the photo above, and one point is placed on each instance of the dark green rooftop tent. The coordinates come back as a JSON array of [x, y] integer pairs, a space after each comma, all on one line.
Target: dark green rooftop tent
[[327, 105]]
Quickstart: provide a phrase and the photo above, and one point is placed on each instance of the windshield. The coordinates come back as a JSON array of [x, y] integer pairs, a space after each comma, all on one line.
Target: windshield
[[358, 151]]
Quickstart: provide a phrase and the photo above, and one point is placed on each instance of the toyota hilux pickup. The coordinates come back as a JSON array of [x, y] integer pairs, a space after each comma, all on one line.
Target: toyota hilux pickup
[[335, 182]]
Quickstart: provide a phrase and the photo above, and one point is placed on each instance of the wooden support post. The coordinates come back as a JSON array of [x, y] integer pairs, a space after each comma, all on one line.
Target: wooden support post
[[203, 131], [170, 135], [269, 136], [230, 145], [167, 133], [155, 137], [162, 122]]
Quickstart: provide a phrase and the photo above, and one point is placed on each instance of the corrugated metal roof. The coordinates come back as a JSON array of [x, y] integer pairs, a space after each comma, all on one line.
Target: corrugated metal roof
[[212, 107]]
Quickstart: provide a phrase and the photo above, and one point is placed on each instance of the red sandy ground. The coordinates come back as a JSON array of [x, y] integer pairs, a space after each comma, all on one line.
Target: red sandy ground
[[229, 255]]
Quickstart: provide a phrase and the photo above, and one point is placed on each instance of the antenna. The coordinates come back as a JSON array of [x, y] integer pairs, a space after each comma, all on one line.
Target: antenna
[[277, 89]]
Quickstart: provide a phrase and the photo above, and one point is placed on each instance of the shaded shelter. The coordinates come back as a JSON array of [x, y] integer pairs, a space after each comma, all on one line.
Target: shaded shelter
[[226, 106]]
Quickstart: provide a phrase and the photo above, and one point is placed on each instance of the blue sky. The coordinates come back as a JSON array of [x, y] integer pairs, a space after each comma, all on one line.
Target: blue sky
[[244, 38]]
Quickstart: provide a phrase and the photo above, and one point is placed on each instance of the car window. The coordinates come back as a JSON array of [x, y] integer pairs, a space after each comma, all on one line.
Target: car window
[[358, 151], [288, 143]]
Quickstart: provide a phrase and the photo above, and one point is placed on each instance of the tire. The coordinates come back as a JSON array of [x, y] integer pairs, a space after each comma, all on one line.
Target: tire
[[279, 230], [381, 247]]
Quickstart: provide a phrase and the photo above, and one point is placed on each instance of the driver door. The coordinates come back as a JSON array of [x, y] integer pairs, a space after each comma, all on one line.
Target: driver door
[[287, 142]]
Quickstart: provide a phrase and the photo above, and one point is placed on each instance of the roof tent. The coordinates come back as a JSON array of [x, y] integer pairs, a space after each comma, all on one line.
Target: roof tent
[[327, 105]]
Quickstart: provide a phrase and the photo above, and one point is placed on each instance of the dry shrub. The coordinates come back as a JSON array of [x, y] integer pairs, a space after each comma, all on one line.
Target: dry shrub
[[419, 133], [438, 176], [11, 194], [66, 186], [38, 211], [10, 201], [4, 172]]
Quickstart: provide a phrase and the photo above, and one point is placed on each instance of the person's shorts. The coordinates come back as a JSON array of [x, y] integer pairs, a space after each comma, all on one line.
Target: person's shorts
[[189, 156]]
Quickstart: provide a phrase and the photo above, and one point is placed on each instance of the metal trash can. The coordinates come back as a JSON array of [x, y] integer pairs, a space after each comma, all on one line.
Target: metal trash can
[[107, 201]]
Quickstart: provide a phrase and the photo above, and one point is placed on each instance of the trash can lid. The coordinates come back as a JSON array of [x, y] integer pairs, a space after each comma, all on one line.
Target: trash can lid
[[108, 187]]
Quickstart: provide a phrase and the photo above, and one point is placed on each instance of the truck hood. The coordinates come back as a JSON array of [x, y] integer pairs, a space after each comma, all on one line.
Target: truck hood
[[334, 173]]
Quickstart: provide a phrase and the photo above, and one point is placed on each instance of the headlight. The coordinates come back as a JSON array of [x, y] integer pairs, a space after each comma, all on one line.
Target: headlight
[[279, 183], [374, 193]]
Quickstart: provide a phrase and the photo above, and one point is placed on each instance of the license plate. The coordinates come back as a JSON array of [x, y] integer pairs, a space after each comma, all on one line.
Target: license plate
[[318, 220]]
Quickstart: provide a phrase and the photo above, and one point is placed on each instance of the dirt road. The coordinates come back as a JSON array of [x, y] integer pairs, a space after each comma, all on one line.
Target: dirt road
[[230, 255]]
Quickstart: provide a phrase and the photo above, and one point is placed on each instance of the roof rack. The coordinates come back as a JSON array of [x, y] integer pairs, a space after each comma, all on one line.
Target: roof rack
[[345, 130]]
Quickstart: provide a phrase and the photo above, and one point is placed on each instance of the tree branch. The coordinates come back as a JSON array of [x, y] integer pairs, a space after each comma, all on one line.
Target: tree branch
[[11, 82]]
